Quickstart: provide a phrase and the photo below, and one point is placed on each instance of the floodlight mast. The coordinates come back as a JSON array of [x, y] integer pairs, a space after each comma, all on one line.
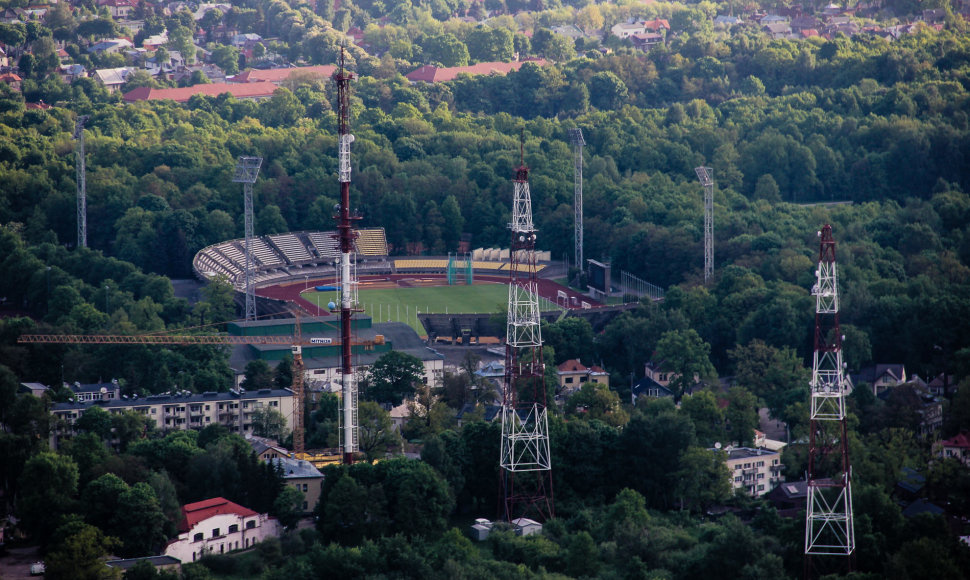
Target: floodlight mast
[[247, 169], [576, 138], [706, 175], [829, 528], [82, 202], [348, 281]]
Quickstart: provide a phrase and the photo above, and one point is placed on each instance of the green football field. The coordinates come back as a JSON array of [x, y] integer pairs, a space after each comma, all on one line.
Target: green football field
[[404, 304]]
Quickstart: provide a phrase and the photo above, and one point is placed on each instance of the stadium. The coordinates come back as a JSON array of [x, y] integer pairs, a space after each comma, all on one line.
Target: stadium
[[297, 271]]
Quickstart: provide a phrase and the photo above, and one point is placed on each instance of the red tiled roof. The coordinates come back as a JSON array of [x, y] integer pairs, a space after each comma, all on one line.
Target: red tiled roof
[[572, 365], [656, 24], [278, 75], [961, 440], [10, 78], [193, 513], [432, 74], [181, 95]]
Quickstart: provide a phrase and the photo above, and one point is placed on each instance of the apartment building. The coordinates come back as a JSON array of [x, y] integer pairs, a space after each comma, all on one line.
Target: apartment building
[[183, 410], [756, 471]]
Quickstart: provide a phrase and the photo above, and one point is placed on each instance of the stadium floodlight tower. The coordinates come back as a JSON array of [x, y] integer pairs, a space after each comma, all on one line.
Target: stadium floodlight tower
[[247, 169], [829, 529], [706, 175], [576, 138], [82, 202], [348, 282], [525, 460]]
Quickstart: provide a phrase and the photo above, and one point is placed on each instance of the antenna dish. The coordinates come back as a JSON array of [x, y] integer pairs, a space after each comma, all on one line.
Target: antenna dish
[[717, 445]]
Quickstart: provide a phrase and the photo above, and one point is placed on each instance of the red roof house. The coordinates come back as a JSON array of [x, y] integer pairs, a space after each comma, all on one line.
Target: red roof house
[[957, 447], [432, 74], [256, 90], [278, 75]]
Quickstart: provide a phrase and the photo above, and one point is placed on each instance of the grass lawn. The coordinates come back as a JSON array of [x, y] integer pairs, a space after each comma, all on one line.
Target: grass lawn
[[404, 304]]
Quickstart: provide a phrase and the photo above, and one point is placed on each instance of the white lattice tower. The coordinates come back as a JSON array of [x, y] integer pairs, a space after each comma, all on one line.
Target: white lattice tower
[[525, 459], [706, 175], [82, 201], [829, 528], [576, 138], [247, 169]]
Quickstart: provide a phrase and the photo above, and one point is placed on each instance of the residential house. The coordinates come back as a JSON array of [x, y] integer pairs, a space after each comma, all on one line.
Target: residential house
[[804, 22], [658, 25], [627, 29], [12, 80], [113, 78], [303, 476], [246, 40], [266, 449], [726, 21], [70, 72], [646, 40], [756, 471], [180, 411], [789, 498], [35, 389], [651, 389], [956, 447], [85, 393], [278, 76], [940, 384], [777, 29], [4, 59], [111, 46], [217, 526], [880, 377], [433, 74], [572, 374], [119, 9]]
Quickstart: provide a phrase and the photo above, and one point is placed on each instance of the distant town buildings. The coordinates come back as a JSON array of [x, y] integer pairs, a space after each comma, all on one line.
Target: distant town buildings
[[755, 471]]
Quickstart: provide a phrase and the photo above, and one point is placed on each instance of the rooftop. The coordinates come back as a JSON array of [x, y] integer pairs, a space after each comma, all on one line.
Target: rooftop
[[193, 513], [178, 398], [252, 90]]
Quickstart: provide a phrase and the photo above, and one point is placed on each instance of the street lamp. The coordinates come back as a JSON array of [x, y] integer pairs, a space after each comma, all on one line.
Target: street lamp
[[306, 281]]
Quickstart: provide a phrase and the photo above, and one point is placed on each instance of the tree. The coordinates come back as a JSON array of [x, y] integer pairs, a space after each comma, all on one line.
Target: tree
[[707, 416], [376, 433], [268, 422], [703, 479], [288, 506], [776, 375], [590, 18], [684, 354], [257, 375], [78, 553], [607, 91], [48, 486], [445, 49], [393, 377], [742, 415], [140, 520], [597, 401]]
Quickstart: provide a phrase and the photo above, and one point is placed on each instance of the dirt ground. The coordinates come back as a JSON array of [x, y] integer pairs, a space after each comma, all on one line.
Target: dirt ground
[[15, 563]]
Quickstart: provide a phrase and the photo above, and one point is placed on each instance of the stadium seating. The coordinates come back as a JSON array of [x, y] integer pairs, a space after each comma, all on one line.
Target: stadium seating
[[327, 246], [292, 248], [371, 242]]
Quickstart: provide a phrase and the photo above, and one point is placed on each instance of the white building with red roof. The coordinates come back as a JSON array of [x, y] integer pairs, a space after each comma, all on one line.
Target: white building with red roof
[[957, 447], [217, 526]]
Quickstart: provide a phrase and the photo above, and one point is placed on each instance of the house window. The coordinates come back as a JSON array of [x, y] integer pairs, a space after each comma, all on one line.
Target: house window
[[304, 506], [304, 487], [215, 533], [569, 380], [761, 476], [738, 479], [761, 487], [197, 538], [250, 524], [274, 403], [233, 528]]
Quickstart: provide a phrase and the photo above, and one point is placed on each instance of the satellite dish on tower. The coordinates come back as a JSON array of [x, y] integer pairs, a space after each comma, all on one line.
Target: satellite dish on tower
[[717, 445]]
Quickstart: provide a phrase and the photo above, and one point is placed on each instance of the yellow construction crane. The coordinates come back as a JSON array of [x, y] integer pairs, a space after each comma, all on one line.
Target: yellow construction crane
[[296, 344]]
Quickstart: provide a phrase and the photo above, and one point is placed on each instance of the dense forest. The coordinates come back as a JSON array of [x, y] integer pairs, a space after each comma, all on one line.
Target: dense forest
[[789, 127]]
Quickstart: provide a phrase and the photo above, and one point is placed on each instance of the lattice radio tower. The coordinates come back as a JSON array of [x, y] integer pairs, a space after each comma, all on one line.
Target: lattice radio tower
[[82, 200], [576, 138], [829, 529], [247, 169], [525, 461], [348, 281], [706, 175]]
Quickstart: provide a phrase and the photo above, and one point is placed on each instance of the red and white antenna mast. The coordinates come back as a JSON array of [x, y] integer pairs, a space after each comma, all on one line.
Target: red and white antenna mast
[[525, 460], [829, 530], [348, 281]]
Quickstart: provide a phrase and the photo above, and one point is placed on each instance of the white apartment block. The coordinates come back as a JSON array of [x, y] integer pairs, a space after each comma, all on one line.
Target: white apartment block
[[756, 471]]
